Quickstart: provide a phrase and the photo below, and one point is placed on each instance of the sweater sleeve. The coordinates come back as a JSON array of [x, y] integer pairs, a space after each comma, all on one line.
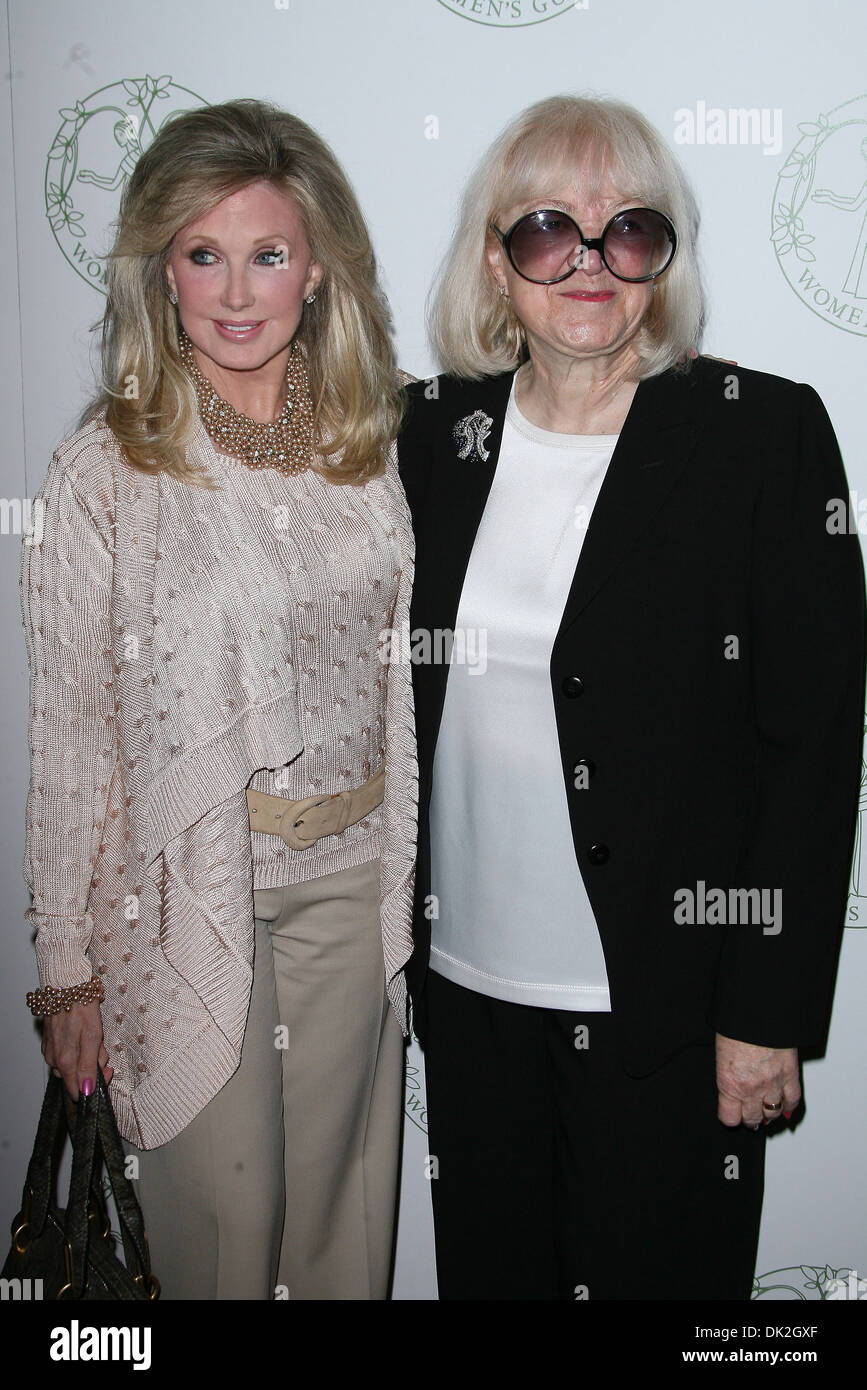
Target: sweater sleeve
[[66, 590]]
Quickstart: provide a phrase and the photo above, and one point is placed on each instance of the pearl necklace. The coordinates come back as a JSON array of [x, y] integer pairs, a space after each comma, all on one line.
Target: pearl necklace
[[285, 443]]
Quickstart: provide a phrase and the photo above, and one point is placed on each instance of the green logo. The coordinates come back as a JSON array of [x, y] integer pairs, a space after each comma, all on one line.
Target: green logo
[[512, 14], [810, 1283], [819, 230], [91, 158]]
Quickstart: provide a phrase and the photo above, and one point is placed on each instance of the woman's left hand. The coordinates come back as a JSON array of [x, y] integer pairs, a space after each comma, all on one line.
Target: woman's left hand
[[748, 1075]]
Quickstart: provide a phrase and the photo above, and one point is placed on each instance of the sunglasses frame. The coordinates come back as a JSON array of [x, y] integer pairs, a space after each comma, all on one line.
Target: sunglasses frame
[[590, 243]]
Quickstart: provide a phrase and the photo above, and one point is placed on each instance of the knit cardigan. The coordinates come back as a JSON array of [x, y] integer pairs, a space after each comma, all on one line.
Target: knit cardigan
[[138, 852]]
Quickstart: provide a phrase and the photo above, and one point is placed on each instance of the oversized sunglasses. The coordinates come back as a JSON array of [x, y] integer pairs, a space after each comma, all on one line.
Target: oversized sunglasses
[[636, 245]]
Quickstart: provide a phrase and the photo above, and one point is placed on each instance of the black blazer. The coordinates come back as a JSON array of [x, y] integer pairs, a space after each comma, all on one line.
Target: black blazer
[[738, 772]]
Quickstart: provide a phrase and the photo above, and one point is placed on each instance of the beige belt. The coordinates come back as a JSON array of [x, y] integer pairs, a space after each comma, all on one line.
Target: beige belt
[[302, 823]]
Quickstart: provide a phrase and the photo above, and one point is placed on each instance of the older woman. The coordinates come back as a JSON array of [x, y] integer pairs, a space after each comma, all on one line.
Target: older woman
[[638, 815], [221, 867]]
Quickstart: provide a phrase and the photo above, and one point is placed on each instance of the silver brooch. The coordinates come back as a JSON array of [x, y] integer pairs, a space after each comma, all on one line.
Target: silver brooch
[[470, 434]]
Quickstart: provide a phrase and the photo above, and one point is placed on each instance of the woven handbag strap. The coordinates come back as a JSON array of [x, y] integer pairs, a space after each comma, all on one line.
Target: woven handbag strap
[[77, 1229], [39, 1182], [132, 1228], [96, 1138]]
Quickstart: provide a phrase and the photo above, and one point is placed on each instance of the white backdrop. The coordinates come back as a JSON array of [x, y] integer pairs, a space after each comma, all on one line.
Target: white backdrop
[[765, 104]]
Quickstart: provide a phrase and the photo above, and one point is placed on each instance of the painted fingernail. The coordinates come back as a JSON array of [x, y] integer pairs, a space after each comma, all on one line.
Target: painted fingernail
[[787, 1114], [87, 1086]]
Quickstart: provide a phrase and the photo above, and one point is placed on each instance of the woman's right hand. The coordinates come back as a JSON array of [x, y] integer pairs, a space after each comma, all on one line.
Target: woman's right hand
[[73, 1047]]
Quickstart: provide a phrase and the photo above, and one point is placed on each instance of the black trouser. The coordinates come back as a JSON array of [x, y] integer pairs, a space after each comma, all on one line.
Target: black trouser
[[559, 1176]]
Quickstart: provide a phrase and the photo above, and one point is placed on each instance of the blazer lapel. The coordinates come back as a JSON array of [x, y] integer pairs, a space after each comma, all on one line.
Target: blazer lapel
[[446, 525], [650, 455], [470, 432]]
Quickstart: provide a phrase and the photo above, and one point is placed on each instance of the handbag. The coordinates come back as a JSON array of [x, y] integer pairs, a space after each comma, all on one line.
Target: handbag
[[72, 1251]]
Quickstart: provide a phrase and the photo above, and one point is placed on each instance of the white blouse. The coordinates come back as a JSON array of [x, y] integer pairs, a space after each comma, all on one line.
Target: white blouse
[[514, 919]]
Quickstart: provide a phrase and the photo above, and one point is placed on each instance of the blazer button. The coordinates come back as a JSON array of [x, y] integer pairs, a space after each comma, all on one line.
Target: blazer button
[[584, 762], [598, 854], [572, 687]]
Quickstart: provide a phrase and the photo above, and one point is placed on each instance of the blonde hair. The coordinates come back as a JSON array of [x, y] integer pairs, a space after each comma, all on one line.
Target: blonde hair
[[473, 328], [196, 159]]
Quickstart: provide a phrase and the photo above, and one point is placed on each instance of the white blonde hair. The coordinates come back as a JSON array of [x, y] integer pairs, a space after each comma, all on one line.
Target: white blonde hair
[[473, 328]]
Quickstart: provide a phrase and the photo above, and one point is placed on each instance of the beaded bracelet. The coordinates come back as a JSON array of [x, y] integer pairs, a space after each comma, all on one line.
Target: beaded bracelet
[[44, 1002]]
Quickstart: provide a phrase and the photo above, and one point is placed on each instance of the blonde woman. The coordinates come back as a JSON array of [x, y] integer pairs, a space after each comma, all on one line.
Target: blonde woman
[[221, 867]]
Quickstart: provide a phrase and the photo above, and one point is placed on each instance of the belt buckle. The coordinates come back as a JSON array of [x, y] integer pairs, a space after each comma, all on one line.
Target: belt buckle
[[290, 833]]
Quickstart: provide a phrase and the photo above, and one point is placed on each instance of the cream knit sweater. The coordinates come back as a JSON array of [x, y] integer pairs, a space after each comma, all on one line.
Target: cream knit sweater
[[166, 672]]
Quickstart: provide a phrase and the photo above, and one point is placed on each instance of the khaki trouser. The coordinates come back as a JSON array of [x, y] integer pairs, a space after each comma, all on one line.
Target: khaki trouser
[[287, 1179]]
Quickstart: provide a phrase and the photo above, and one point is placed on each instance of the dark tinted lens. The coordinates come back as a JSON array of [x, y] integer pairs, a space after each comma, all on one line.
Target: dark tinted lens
[[638, 243], [544, 245]]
